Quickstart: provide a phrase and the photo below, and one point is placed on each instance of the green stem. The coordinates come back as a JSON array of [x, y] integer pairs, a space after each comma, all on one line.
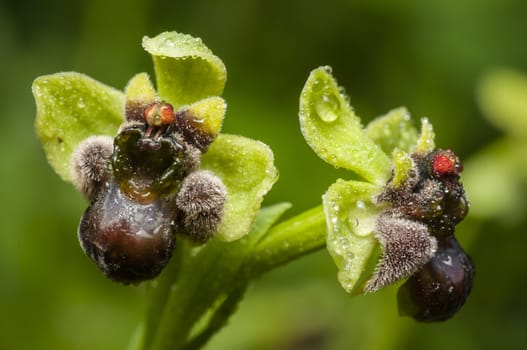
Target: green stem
[[218, 320], [158, 292], [289, 240], [214, 277]]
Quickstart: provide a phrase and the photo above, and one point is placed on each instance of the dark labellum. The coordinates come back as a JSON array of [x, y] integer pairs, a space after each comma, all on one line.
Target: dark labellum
[[130, 241], [439, 289], [431, 203], [129, 228], [144, 190]]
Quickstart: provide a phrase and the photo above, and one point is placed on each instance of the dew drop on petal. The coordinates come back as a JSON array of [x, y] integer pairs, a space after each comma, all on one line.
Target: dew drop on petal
[[328, 107]]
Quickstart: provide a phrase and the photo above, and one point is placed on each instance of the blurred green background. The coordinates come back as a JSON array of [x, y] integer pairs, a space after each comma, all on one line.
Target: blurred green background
[[426, 55]]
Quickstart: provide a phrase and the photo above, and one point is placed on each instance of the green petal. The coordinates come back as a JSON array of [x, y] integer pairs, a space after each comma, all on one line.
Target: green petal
[[335, 133], [140, 89], [186, 70], [502, 96], [210, 112], [426, 141], [71, 107], [350, 216], [393, 130], [247, 169], [402, 164]]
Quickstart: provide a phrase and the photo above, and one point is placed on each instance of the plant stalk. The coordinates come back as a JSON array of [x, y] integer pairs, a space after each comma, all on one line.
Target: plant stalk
[[193, 306]]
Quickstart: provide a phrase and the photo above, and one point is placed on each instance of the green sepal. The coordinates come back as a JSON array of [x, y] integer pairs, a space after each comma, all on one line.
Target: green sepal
[[335, 133], [350, 217], [247, 169], [71, 107], [186, 70], [393, 130]]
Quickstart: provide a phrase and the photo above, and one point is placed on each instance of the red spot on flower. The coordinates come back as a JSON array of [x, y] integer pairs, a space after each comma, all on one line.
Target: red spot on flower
[[160, 113], [167, 113], [446, 163]]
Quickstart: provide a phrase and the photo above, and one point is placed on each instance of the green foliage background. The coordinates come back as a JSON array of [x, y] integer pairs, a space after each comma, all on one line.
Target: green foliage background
[[427, 55]]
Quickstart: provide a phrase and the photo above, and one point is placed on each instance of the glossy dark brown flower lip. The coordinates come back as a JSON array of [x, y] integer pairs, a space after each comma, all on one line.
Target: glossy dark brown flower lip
[[440, 288], [145, 189], [129, 241], [416, 232]]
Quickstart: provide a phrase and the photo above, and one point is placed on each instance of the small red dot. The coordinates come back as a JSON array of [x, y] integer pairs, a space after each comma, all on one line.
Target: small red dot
[[445, 163], [167, 113]]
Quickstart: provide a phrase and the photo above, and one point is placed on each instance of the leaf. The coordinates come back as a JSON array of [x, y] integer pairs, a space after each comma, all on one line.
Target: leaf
[[267, 217], [186, 70], [247, 170], [393, 130], [350, 217], [335, 133], [70, 107], [502, 95]]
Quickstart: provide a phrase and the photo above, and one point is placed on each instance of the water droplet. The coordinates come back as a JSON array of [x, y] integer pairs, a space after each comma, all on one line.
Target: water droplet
[[358, 219], [448, 261], [328, 108], [169, 42]]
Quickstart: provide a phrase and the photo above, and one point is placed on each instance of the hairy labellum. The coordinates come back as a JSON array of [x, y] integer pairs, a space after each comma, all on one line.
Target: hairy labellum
[[440, 273], [144, 191]]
